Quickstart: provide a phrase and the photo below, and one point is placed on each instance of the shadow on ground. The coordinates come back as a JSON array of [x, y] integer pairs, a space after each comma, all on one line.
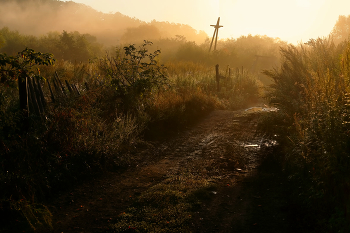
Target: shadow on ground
[[259, 202]]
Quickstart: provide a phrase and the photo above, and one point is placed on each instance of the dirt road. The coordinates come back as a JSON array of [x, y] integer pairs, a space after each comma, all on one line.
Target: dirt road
[[223, 177]]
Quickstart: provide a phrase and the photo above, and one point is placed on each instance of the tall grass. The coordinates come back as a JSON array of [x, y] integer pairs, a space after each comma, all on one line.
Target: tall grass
[[311, 90]]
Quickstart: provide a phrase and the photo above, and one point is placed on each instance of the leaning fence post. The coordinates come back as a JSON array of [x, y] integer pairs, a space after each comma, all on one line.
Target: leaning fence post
[[33, 101], [23, 100], [52, 95], [74, 86], [37, 95], [43, 101], [22, 91], [60, 83], [217, 77], [69, 87]]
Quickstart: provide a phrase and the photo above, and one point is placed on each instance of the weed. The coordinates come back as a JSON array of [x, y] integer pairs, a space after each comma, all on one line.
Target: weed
[[311, 90]]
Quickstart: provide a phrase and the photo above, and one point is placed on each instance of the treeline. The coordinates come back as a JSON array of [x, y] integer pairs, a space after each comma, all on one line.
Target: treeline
[[72, 46], [78, 33], [253, 53], [37, 17]]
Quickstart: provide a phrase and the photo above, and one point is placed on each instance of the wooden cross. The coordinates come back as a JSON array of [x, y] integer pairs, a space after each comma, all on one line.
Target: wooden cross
[[216, 32]]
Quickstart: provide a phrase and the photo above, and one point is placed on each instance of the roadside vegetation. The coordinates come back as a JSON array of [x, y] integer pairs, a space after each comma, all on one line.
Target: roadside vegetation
[[311, 91], [132, 97]]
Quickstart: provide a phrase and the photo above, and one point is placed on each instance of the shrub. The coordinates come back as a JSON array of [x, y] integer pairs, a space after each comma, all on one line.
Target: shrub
[[311, 92], [134, 74]]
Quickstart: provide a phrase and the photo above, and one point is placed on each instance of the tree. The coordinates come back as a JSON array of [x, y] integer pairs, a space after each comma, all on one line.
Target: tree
[[141, 33], [77, 47], [341, 29]]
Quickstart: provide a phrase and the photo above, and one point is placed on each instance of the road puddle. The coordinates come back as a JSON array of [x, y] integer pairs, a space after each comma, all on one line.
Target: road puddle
[[261, 109], [258, 145]]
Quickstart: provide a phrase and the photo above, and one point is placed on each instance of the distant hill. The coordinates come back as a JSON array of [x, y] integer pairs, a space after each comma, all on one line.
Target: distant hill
[[38, 17]]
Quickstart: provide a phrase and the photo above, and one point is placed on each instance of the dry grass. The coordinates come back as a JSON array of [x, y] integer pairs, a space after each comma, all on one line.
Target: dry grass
[[311, 91]]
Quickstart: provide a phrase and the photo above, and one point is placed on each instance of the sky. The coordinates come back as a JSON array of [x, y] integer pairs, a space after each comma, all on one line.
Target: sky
[[293, 21]]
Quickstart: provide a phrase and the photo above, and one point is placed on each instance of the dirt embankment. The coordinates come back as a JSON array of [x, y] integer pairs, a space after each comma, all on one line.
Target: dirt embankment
[[244, 189]]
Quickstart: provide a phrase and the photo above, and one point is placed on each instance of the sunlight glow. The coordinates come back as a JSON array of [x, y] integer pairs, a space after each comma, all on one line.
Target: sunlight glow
[[290, 20], [303, 3]]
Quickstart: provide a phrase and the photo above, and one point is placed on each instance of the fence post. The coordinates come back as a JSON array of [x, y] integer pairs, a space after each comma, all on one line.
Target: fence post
[[60, 84], [69, 87], [37, 95], [52, 95], [41, 93], [23, 100], [217, 77], [74, 86], [33, 99]]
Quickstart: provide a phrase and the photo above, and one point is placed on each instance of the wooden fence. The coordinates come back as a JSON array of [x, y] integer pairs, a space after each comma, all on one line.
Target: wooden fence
[[227, 76], [36, 101]]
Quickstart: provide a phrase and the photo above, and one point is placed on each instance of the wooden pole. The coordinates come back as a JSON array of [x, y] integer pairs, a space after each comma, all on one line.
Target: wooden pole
[[217, 77], [60, 83], [23, 96], [69, 87], [56, 86], [43, 101], [216, 32], [23, 100], [74, 86], [216, 38], [211, 44], [37, 95], [34, 101], [52, 95]]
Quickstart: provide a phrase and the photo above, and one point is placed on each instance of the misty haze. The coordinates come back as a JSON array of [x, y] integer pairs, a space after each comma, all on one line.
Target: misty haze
[[188, 116]]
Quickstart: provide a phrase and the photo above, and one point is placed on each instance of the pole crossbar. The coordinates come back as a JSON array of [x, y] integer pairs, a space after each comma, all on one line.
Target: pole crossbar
[[215, 35]]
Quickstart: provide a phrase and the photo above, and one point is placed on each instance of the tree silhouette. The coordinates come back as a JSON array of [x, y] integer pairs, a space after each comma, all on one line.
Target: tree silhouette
[[341, 29]]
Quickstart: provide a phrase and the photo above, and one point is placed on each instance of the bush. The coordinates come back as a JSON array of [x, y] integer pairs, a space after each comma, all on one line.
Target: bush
[[311, 92], [134, 74]]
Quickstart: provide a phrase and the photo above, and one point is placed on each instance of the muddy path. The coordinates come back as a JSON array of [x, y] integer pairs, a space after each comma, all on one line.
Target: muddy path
[[223, 148]]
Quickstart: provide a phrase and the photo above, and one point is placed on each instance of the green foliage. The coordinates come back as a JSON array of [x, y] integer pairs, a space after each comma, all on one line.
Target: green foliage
[[22, 65], [12, 71], [134, 74]]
